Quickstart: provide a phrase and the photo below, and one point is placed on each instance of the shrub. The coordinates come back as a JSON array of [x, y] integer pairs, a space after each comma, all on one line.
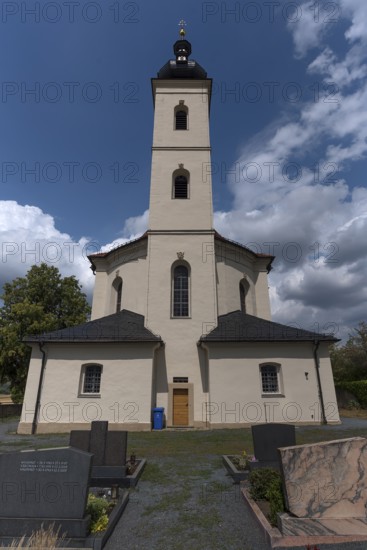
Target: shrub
[[274, 495], [241, 463], [266, 484], [358, 389], [97, 509], [260, 481]]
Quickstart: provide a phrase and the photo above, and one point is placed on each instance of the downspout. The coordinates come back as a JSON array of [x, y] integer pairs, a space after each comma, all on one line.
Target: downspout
[[38, 400], [154, 373], [206, 349], [317, 367]]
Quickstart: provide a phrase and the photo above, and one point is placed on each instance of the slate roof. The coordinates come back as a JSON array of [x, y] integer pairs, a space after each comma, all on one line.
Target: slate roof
[[241, 327], [125, 326]]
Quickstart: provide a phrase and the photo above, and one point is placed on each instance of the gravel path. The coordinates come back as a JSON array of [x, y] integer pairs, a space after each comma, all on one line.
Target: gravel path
[[186, 511]]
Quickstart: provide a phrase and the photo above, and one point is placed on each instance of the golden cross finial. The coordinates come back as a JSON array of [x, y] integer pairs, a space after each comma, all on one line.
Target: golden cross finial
[[182, 31]]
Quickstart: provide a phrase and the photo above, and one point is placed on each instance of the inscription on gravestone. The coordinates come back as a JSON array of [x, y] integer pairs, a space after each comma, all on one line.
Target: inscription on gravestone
[[49, 483]]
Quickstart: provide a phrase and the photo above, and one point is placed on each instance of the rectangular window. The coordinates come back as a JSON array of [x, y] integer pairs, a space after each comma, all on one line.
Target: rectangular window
[[180, 379], [92, 379], [269, 379]]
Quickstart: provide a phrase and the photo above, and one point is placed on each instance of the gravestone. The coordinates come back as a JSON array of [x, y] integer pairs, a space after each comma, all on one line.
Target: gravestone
[[44, 487], [267, 438], [325, 486], [109, 450]]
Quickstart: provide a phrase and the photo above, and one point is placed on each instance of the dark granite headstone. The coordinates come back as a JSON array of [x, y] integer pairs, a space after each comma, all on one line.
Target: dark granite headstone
[[80, 439], [44, 485], [267, 438], [109, 450], [98, 438], [116, 448]]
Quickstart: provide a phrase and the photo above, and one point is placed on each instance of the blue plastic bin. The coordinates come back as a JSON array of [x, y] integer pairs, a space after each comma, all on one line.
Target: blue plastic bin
[[158, 418]]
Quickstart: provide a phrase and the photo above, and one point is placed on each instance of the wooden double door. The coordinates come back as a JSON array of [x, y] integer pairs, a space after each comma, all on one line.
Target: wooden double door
[[180, 407]]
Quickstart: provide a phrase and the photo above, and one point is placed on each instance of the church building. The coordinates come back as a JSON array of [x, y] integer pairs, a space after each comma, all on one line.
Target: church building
[[181, 316]]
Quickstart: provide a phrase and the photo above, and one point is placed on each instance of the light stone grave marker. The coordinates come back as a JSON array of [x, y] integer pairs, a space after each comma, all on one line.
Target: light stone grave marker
[[326, 487]]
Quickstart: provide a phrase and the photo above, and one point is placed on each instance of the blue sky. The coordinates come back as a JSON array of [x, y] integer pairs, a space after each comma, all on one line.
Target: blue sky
[[288, 133]]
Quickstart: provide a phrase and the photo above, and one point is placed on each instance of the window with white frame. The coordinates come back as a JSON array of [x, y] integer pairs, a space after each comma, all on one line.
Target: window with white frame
[[270, 378], [91, 379], [180, 291]]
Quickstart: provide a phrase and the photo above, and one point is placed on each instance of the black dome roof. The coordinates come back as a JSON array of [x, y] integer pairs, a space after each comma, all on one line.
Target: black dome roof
[[182, 67]]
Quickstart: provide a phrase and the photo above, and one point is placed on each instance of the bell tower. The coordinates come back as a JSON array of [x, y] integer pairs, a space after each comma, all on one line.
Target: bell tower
[[181, 190], [182, 292]]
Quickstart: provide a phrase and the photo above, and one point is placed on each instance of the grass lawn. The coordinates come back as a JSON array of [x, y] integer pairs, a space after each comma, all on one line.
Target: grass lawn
[[355, 413], [192, 443], [199, 443]]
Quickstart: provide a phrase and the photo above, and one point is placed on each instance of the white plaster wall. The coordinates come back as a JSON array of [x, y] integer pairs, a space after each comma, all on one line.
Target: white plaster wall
[[327, 382], [195, 94], [30, 395], [235, 384], [189, 147], [231, 264], [262, 296], [99, 295], [132, 267], [167, 213], [125, 384]]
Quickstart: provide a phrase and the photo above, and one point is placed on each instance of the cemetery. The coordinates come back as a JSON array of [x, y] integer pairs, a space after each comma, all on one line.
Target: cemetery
[[309, 493], [74, 490]]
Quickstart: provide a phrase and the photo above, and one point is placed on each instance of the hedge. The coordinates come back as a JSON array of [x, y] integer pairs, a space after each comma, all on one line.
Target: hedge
[[357, 388]]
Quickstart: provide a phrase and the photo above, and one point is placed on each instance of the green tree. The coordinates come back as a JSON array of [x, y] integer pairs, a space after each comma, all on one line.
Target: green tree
[[349, 362], [41, 301]]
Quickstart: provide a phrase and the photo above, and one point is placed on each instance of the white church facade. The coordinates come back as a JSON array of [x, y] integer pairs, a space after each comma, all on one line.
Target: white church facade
[[181, 316]]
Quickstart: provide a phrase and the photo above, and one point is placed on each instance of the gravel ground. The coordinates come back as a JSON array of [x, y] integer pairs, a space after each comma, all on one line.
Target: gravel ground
[[188, 507]]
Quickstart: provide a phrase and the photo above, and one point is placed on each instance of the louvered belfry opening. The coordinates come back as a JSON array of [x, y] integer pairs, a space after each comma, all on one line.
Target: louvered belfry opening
[[181, 120], [181, 187]]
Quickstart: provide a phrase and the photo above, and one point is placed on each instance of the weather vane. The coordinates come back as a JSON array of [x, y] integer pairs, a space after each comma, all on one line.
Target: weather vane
[[182, 24]]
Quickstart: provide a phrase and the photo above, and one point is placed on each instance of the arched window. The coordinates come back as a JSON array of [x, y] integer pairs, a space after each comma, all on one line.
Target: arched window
[[180, 291], [116, 294], [92, 379], [181, 188], [244, 288], [181, 119], [118, 298]]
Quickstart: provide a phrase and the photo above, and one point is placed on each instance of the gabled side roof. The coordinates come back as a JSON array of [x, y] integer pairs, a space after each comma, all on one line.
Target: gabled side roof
[[125, 326], [241, 327]]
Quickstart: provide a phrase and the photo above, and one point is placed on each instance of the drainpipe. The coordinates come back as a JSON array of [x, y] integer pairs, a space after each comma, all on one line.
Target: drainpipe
[[38, 400], [317, 367], [206, 349], [154, 373]]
